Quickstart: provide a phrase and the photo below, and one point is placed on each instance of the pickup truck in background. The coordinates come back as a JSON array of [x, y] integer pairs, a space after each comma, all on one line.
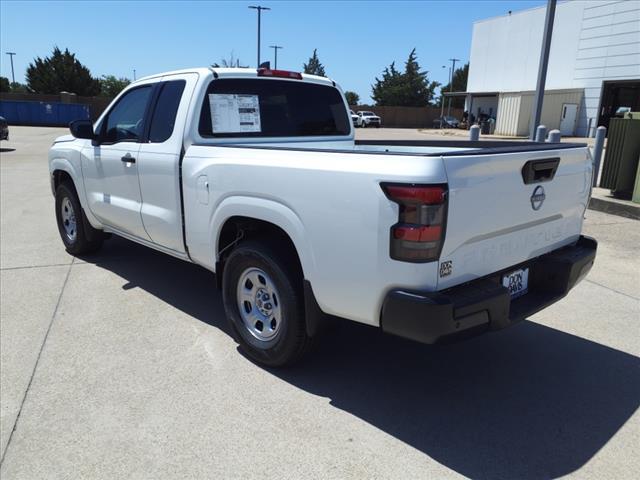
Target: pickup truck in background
[[255, 175]]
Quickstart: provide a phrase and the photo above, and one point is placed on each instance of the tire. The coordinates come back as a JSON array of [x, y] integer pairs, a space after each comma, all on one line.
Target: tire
[[363, 125], [77, 234], [272, 333]]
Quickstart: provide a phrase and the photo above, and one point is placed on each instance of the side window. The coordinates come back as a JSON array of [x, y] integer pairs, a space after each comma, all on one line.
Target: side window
[[125, 120], [164, 115]]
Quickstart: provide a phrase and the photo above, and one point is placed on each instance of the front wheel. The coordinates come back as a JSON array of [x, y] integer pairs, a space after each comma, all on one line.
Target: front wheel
[[264, 304], [76, 232]]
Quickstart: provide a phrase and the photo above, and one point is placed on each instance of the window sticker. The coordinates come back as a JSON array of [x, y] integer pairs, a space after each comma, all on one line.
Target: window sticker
[[232, 113]]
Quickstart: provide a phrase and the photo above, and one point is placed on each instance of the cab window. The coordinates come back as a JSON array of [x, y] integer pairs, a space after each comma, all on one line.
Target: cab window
[[125, 121], [166, 109]]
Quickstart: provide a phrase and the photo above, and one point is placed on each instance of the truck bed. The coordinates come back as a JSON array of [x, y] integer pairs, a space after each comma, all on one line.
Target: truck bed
[[410, 147]]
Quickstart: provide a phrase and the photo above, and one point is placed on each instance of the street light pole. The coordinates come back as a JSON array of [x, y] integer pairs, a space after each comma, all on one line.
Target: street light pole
[[134, 74], [275, 52], [451, 72], [542, 68], [13, 77], [259, 9]]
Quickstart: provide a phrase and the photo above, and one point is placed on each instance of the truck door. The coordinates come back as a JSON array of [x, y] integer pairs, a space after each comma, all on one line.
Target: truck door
[[109, 168], [159, 161]]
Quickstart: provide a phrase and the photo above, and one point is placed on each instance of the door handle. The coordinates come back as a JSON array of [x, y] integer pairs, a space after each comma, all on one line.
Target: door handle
[[538, 171], [128, 158]]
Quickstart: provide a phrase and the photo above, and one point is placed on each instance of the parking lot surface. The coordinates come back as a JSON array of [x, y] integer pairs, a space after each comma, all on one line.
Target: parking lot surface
[[119, 365]]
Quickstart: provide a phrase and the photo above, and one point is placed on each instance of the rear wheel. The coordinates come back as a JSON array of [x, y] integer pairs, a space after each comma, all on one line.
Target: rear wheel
[[264, 303], [76, 232]]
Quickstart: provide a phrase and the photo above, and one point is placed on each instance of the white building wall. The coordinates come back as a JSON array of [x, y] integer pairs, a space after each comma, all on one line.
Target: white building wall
[[593, 41], [608, 49]]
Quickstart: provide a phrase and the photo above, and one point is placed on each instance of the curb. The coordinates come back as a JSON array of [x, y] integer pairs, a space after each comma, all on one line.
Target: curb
[[615, 208]]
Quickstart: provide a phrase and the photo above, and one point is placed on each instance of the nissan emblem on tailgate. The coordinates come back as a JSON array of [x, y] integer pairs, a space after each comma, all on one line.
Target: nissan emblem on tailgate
[[537, 197]]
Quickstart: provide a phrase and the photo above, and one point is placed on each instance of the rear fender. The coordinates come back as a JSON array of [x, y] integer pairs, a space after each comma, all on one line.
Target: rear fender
[[270, 211]]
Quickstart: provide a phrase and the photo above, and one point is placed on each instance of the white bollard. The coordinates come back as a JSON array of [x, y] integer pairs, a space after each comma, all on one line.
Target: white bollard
[[601, 133], [554, 136], [541, 133], [474, 133]]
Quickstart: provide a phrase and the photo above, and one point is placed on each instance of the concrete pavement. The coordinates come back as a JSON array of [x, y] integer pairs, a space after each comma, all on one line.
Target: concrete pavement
[[119, 365]]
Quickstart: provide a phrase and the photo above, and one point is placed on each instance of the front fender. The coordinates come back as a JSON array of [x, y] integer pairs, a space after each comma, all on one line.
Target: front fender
[[58, 163], [268, 211]]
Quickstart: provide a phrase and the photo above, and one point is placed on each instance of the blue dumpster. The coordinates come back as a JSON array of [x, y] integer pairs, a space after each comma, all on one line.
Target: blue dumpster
[[42, 113]]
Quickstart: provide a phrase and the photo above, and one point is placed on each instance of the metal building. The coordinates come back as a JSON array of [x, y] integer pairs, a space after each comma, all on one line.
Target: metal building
[[594, 66]]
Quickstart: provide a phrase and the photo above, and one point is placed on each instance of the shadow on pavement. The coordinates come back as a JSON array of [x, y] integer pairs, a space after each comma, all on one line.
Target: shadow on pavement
[[6, 150], [527, 402]]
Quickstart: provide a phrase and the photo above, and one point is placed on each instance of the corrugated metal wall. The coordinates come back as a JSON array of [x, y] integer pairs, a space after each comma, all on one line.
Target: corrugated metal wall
[[526, 105], [508, 114], [42, 113], [514, 110]]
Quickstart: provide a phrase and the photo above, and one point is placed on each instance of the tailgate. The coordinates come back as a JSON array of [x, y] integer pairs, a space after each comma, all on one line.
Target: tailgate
[[499, 216]]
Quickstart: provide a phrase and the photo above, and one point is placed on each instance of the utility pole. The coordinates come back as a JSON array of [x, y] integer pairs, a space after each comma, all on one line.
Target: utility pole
[[452, 71], [275, 52], [259, 9], [134, 74], [542, 68], [442, 95], [13, 77]]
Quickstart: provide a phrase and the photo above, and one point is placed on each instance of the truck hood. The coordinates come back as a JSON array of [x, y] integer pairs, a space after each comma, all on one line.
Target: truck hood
[[64, 138]]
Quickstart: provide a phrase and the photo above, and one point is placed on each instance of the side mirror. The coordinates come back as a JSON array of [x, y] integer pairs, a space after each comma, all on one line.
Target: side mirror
[[82, 129]]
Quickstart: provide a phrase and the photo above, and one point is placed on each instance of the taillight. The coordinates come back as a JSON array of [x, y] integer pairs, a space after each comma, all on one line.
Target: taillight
[[266, 72], [419, 234]]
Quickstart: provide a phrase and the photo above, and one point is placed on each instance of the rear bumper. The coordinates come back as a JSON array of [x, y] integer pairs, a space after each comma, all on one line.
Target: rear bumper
[[484, 304]]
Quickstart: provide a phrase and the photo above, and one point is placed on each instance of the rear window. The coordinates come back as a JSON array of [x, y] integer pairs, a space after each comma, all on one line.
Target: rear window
[[272, 108]]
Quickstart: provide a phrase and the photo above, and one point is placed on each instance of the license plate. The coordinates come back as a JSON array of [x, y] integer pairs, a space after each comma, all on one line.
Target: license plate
[[517, 282]]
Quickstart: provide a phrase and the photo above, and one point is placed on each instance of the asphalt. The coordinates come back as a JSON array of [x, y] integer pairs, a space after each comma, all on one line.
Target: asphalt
[[119, 365]]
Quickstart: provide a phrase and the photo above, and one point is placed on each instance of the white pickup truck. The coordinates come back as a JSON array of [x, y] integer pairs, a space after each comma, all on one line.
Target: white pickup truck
[[255, 175]]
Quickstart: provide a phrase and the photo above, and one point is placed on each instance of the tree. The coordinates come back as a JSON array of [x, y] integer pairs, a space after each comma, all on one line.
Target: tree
[[110, 85], [352, 97], [231, 62], [314, 67], [4, 84], [388, 90], [61, 72], [409, 89], [459, 85], [17, 87]]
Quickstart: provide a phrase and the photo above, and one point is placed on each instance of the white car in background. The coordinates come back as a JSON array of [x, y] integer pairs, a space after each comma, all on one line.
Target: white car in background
[[354, 117], [368, 119]]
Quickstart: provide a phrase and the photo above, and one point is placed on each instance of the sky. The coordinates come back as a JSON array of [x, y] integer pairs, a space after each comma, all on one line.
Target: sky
[[356, 40]]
